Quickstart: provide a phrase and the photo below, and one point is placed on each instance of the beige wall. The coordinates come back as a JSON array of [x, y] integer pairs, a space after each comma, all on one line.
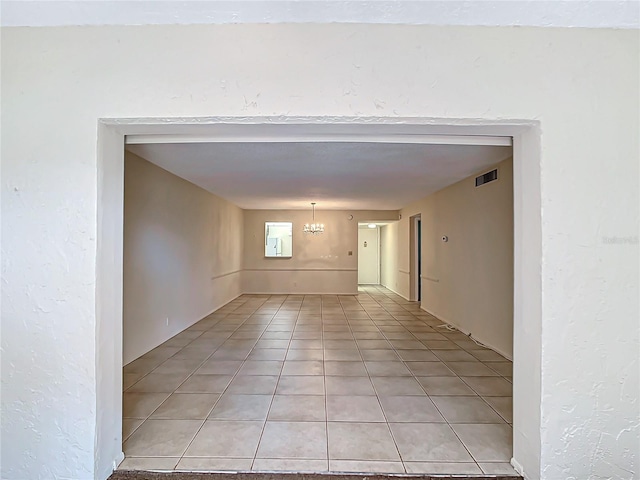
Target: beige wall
[[182, 255], [320, 264], [389, 256], [467, 281], [395, 253]]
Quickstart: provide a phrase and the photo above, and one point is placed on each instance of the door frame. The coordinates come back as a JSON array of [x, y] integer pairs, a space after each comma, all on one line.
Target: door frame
[[414, 258], [113, 133]]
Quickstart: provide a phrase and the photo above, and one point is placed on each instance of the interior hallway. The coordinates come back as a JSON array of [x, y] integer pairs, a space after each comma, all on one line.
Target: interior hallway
[[366, 383]]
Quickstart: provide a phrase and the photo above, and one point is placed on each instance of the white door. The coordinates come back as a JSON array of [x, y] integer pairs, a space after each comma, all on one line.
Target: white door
[[368, 256]]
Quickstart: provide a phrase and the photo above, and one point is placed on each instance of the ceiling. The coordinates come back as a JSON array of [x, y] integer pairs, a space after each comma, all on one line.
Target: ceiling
[[539, 13], [336, 175]]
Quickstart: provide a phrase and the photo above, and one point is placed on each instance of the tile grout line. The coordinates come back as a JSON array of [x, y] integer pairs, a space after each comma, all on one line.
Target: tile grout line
[[406, 323], [395, 443], [174, 391], [324, 383], [404, 464], [444, 418], [221, 393], [264, 426], [180, 349], [188, 376], [436, 407]]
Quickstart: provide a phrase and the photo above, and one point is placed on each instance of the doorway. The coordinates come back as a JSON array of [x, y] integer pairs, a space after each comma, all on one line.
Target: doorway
[[415, 257], [368, 254], [527, 285]]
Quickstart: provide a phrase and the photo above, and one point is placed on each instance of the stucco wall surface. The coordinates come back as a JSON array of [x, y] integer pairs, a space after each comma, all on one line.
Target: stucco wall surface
[[580, 388]]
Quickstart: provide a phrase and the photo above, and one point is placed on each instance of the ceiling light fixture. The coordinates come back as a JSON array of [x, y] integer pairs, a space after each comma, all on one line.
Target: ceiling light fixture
[[372, 225], [313, 228]]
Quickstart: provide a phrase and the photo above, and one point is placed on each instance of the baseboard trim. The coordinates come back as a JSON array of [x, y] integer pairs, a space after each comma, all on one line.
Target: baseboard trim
[[117, 461], [300, 269], [466, 332], [300, 293], [518, 468], [397, 293], [191, 324], [216, 309]]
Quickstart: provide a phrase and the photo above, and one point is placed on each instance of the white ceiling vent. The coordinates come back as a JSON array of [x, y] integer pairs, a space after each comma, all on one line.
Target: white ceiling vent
[[487, 177]]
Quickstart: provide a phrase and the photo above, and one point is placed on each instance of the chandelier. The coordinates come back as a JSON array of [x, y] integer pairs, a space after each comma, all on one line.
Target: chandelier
[[313, 228]]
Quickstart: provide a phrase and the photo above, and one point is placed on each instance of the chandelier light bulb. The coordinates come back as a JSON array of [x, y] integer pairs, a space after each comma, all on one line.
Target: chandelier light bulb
[[313, 228]]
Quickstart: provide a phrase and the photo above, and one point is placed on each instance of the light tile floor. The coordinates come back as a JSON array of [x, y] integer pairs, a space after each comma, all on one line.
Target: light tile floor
[[364, 383]]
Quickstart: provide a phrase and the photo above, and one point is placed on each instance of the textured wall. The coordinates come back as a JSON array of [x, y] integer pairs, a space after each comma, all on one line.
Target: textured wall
[[580, 85], [584, 13]]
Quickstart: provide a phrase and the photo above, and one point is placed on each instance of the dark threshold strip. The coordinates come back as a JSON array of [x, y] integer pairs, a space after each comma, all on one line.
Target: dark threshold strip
[[142, 475]]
